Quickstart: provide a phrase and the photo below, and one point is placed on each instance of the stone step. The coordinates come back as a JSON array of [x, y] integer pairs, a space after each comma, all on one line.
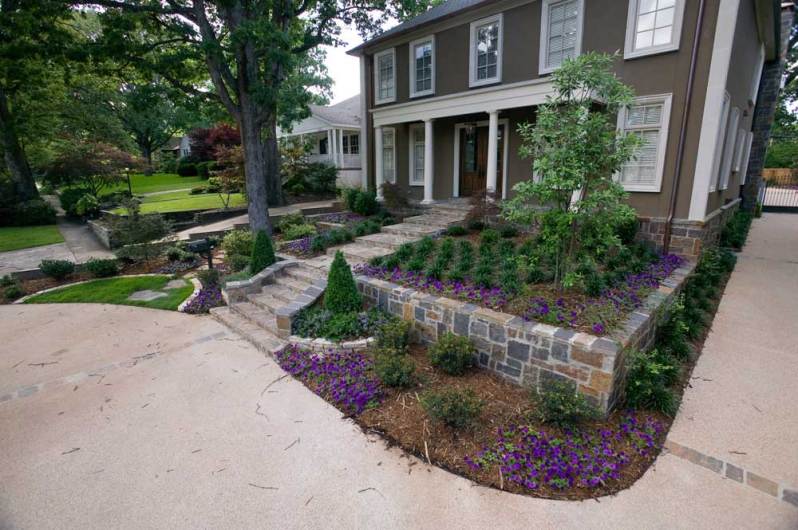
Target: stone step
[[413, 230], [435, 220], [278, 291], [263, 340], [255, 314], [266, 302], [383, 240], [359, 252], [308, 275], [320, 263], [295, 284]]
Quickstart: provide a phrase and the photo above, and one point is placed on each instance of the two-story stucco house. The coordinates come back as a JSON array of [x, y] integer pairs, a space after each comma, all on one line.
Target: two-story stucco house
[[443, 95]]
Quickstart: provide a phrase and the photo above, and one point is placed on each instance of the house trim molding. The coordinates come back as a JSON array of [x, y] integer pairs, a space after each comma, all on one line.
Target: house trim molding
[[716, 89], [522, 94]]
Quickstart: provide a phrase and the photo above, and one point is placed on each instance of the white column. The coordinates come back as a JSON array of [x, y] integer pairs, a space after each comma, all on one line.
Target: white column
[[378, 172], [364, 124], [493, 150], [428, 162], [334, 151], [340, 148], [330, 145]]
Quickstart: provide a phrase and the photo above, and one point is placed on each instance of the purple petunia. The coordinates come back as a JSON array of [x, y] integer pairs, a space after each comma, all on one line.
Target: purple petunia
[[206, 299], [532, 458], [340, 376]]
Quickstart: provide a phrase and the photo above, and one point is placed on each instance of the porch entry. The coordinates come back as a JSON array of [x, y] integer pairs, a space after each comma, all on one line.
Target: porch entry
[[474, 160]]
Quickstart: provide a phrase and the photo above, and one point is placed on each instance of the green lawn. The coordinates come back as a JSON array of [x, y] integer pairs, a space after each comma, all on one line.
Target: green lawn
[[159, 182], [181, 201], [116, 291], [18, 237]]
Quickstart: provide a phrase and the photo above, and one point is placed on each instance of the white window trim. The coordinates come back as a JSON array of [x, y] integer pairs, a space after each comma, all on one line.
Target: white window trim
[[544, 34], [664, 129], [392, 132], [758, 76], [720, 136], [472, 52], [629, 51], [749, 141], [739, 149], [377, 57], [411, 156], [729, 144], [412, 76]]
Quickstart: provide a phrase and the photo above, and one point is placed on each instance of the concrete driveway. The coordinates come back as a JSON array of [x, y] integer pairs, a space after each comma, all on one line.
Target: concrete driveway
[[120, 417]]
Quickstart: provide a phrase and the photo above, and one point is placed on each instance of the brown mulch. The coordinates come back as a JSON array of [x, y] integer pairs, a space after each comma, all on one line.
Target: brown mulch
[[402, 421]]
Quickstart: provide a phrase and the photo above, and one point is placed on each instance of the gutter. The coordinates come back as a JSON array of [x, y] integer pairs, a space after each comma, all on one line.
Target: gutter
[[682, 132]]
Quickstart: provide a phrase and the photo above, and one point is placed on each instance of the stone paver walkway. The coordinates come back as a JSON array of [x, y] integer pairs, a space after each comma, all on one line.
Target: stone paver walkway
[[740, 417], [122, 417], [79, 246]]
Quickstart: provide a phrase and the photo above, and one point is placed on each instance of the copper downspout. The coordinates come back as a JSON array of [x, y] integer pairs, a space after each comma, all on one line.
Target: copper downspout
[[666, 242]]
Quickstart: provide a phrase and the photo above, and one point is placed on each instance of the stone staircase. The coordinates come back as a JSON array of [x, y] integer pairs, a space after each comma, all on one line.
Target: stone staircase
[[263, 317], [256, 317], [433, 223]]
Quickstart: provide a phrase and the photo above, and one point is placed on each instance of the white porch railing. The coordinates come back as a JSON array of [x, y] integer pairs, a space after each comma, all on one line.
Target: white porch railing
[[349, 161]]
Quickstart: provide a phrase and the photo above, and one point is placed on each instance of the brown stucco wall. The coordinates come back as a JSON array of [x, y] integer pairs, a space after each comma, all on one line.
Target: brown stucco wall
[[604, 30]]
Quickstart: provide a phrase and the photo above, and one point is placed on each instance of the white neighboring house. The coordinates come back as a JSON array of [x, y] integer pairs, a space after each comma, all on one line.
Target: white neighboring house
[[179, 146], [334, 134]]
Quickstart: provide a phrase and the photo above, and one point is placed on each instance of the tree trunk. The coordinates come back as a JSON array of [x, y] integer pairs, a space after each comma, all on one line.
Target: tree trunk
[[274, 184], [255, 170], [17, 164]]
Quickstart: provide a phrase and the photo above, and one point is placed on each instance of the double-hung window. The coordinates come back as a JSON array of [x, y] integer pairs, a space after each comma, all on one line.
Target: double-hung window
[[416, 155], [653, 26], [385, 76], [485, 63], [647, 118], [354, 144], [389, 154], [422, 67], [729, 144], [560, 33]]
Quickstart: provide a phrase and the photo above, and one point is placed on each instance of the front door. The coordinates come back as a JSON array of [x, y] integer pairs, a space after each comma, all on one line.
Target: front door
[[474, 160]]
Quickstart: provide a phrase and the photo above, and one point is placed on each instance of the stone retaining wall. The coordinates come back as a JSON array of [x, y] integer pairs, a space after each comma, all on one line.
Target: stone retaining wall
[[530, 353], [688, 238]]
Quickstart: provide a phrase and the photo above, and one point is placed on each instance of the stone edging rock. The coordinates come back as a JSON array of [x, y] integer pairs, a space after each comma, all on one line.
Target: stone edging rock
[[234, 292], [324, 345], [197, 288], [527, 352]]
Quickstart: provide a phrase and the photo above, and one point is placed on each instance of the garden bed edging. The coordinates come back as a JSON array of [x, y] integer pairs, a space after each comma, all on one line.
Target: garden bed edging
[[531, 353]]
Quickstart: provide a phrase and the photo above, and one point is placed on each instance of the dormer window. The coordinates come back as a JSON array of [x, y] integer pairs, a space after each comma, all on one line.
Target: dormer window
[[385, 76], [561, 32], [422, 67], [653, 26], [485, 64]]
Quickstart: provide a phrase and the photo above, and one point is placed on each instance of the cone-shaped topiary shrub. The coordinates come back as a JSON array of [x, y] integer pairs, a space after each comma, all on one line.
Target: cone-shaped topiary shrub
[[341, 295], [262, 252]]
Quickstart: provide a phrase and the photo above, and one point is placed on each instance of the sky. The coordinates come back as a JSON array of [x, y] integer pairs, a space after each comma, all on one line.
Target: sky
[[344, 69]]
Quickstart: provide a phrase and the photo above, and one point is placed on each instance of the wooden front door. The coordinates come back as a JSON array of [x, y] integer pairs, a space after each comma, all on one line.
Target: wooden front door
[[474, 160]]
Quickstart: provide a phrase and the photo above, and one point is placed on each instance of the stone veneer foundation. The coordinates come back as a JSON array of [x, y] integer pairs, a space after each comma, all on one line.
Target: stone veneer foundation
[[530, 353], [688, 238]]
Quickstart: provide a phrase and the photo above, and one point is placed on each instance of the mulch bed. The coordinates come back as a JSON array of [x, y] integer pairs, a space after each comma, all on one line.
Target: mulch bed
[[402, 421]]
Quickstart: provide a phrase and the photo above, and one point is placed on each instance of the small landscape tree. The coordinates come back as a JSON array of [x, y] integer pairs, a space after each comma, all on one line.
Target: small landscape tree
[[262, 252], [230, 176], [576, 150], [92, 165], [341, 295]]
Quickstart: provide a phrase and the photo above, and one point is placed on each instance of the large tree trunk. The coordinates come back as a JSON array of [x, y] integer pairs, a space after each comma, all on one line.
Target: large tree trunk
[[14, 156], [274, 184], [255, 170]]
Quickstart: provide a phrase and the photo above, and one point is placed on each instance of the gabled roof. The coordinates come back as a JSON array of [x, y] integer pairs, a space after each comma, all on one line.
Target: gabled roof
[[428, 17], [346, 112]]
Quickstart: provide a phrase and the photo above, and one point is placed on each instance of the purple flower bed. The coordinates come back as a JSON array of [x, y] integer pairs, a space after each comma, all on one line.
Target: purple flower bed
[[533, 458], [298, 246], [603, 312], [340, 218], [342, 377], [206, 299], [494, 298]]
